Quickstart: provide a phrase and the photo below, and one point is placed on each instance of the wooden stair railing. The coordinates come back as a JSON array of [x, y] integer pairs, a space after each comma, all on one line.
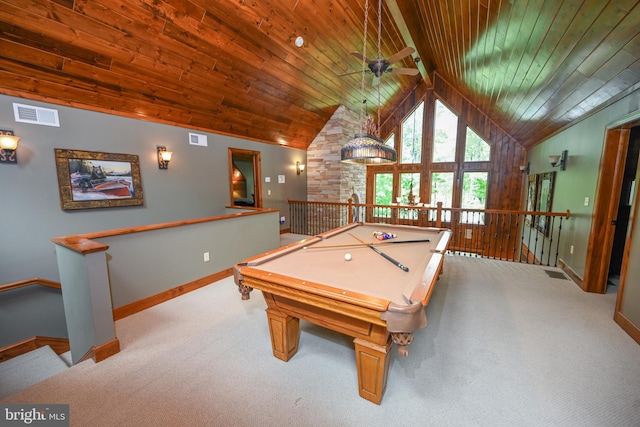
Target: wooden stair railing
[[29, 282], [59, 345], [509, 235]]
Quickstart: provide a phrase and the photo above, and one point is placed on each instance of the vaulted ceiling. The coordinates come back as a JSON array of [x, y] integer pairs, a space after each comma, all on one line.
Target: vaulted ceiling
[[233, 67]]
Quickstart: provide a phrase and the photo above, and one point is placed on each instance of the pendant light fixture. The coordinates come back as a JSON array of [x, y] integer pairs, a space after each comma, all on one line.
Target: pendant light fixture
[[367, 147]]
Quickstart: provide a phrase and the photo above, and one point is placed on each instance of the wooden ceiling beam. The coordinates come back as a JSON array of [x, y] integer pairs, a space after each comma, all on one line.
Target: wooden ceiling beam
[[399, 21]]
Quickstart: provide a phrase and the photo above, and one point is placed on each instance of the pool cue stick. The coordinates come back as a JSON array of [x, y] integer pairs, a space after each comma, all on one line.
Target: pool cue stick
[[385, 256], [384, 242]]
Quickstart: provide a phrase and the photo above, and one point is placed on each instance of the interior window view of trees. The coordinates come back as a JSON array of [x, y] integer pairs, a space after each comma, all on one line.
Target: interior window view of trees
[[451, 173]]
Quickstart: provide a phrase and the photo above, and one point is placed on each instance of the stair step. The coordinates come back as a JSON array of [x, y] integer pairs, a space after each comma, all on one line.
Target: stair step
[[27, 369]]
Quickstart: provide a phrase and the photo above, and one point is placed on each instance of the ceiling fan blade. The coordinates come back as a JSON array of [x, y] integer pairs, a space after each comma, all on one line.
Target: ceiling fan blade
[[400, 55], [361, 57], [405, 71], [353, 72], [349, 74]]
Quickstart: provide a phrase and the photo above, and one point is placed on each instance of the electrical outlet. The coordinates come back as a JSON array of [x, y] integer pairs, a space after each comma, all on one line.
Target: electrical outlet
[[206, 257]]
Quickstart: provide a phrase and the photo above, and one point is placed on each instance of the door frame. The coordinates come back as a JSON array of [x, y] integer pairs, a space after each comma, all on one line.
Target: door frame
[[257, 173], [605, 211]]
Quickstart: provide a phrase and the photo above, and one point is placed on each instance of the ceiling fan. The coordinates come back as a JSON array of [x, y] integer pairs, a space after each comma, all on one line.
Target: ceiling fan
[[379, 66]]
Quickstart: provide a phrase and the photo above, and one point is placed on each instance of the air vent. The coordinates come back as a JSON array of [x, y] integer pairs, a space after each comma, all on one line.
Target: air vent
[[197, 139], [36, 115], [556, 274]]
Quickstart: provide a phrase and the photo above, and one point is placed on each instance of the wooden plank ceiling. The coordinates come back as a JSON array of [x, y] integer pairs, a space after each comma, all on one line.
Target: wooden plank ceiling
[[232, 67]]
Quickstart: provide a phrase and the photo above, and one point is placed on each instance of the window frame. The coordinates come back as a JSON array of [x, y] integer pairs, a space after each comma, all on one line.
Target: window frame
[[458, 167]]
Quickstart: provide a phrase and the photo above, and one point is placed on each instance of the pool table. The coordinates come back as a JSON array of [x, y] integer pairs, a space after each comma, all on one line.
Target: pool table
[[377, 296]]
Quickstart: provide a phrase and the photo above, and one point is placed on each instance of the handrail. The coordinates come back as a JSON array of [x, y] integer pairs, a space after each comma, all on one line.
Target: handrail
[[350, 203], [514, 235], [29, 282], [84, 243]]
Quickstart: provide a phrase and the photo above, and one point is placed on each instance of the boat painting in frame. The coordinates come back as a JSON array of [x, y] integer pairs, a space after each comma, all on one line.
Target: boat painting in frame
[[93, 179]]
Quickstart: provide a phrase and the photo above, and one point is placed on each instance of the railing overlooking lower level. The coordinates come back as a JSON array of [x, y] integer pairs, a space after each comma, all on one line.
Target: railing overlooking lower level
[[522, 236]]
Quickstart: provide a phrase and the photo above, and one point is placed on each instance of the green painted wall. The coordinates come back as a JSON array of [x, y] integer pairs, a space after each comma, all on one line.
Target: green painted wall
[[195, 185], [585, 141]]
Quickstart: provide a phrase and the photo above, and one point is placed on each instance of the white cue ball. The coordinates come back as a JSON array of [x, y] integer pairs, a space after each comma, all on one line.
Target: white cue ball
[[347, 257]]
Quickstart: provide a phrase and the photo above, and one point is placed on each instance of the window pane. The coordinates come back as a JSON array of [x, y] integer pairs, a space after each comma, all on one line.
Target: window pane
[[476, 149], [442, 188], [474, 190], [409, 184], [444, 134], [389, 141], [383, 191], [474, 196], [411, 150], [442, 191]]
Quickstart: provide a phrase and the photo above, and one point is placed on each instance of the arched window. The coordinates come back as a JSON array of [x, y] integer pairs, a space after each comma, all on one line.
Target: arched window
[[445, 130], [454, 171], [476, 149], [411, 140]]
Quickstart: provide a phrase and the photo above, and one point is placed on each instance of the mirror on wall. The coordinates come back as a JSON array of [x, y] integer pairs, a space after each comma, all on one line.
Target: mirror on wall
[[244, 178]]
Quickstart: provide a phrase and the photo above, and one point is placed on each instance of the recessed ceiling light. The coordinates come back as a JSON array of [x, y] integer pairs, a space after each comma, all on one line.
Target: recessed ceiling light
[[299, 41]]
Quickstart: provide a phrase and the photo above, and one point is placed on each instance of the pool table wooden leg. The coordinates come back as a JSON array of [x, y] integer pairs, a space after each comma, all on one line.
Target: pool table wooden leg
[[285, 334], [372, 361]]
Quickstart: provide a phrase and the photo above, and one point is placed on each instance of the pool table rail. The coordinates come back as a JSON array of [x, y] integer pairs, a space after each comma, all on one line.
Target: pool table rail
[[375, 322]]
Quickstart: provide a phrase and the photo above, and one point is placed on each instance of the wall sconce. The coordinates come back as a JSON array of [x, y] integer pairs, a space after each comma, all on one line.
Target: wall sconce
[[525, 168], [560, 160], [8, 147], [299, 168], [164, 157]]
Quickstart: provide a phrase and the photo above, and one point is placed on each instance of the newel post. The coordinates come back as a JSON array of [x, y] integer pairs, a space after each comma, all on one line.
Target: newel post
[[439, 214], [86, 296], [350, 211]]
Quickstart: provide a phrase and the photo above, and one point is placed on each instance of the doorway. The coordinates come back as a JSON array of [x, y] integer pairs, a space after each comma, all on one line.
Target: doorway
[[629, 184], [244, 178], [609, 193]]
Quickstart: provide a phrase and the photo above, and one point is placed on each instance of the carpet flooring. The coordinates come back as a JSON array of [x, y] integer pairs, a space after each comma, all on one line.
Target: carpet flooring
[[27, 369], [505, 345]]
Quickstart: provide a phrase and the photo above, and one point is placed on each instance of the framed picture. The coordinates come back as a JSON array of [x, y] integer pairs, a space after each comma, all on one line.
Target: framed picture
[[90, 179], [545, 197], [532, 197]]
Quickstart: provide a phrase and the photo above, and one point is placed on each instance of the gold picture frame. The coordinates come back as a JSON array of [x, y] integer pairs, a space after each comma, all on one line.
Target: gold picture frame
[[94, 179]]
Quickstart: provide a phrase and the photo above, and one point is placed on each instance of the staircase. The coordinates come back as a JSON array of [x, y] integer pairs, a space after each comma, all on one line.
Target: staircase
[[30, 368]]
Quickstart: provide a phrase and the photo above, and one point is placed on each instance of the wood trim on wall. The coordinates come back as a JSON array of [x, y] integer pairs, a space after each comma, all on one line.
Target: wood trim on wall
[[58, 345], [627, 326], [143, 304], [571, 273], [106, 350], [29, 282]]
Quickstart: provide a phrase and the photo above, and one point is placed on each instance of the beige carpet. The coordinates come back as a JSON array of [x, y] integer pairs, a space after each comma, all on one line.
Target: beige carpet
[[28, 369], [506, 345]]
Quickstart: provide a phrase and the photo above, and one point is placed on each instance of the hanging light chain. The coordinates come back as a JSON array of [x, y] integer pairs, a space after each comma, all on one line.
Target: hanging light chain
[[364, 62], [367, 147], [379, 56]]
